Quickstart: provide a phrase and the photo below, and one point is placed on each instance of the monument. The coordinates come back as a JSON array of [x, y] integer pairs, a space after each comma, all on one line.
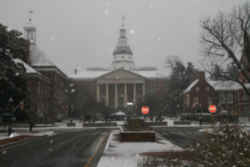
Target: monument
[[136, 130]]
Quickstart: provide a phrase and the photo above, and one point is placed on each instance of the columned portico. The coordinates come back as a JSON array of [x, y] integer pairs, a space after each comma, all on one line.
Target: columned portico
[[116, 96], [107, 95], [125, 96], [125, 93], [134, 92], [98, 93], [121, 86]]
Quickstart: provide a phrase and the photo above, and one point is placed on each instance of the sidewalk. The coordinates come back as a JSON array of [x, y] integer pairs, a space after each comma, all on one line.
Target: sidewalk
[[125, 154]]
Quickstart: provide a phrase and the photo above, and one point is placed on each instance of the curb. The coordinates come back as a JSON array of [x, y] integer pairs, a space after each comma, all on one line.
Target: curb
[[108, 141], [100, 145], [2, 146]]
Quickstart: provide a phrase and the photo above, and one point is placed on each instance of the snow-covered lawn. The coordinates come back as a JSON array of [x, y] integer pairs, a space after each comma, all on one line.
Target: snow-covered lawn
[[126, 154]]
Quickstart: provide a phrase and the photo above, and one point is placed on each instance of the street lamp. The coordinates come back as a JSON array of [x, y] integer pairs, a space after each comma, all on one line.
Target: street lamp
[[178, 108]]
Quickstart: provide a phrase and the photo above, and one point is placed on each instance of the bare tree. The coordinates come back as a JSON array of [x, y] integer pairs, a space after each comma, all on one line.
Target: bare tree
[[227, 37]]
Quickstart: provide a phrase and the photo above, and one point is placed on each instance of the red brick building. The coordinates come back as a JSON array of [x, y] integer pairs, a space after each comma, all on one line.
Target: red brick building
[[57, 80], [226, 95], [199, 94], [38, 93]]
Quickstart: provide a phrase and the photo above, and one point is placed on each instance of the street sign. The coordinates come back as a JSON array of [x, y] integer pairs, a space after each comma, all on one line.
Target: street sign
[[212, 109], [144, 110]]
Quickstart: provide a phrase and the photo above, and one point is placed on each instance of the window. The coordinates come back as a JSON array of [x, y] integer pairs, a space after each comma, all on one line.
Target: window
[[210, 101], [187, 100], [245, 97], [222, 98], [229, 97], [226, 97], [246, 108], [197, 89], [196, 100]]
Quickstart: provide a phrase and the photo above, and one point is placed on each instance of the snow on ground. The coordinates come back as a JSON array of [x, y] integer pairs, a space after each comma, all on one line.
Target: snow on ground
[[207, 130], [126, 154], [14, 134], [3, 136]]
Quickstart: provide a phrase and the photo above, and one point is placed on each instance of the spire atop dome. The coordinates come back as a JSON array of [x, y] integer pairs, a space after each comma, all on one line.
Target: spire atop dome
[[123, 21], [122, 46], [123, 55]]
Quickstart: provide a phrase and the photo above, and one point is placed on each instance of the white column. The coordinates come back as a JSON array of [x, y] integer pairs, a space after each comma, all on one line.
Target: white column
[[107, 94], [98, 93], [125, 93], [143, 90], [116, 96], [134, 93]]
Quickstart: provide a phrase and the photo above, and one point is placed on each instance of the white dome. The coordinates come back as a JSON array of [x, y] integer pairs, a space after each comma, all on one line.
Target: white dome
[[38, 57]]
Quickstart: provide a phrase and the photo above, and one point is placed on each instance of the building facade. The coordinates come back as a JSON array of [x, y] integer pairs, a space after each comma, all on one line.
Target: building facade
[[57, 79], [38, 93], [199, 94], [123, 82], [228, 96]]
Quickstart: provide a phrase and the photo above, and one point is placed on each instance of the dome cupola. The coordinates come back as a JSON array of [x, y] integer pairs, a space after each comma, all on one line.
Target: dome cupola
[[122, 54]]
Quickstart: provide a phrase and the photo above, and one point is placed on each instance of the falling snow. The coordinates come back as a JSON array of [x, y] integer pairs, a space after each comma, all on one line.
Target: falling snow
[[106, 12], [132, 31]]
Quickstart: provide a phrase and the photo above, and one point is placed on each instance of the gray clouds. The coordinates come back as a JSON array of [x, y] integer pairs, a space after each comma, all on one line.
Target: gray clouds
[[83, 32]]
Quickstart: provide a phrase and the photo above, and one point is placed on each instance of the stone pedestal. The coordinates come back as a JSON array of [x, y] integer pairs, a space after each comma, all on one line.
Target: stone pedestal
[[135, 124], [137, 136], [136, 131]]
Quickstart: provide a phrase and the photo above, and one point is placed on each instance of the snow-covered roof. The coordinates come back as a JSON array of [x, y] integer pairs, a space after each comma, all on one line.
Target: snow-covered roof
[[219, 85], [151, 73], [38, 57], [225, 85], [95, 73], [28, 68], [89, 74], [191, 86]]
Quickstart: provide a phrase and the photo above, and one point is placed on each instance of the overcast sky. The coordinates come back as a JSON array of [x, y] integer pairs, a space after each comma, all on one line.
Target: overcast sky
[[84, 32]]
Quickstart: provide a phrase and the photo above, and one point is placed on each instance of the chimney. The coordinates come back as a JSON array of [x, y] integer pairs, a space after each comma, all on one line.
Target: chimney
[[202, 76]]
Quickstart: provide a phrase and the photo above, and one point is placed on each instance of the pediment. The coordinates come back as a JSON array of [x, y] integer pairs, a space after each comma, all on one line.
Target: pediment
[[121, 76]]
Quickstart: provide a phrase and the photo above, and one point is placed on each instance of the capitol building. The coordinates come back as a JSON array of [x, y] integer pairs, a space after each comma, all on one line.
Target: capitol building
[[123, 81]]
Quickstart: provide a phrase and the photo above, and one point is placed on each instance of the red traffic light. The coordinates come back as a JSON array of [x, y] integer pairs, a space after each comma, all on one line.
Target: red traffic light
[[144, 110], [212, 109]]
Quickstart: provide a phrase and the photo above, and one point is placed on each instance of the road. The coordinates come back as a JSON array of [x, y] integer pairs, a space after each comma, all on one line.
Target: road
[[79, 148], [181, 136]]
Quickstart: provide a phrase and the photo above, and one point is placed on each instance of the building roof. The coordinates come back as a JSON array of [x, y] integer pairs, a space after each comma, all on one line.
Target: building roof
[[93, 74], [225, 85], [151, 73], [219, 85], [38, 57], [89, 74], [28, 68], [122, 46], [122, 50], [191, 86]]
